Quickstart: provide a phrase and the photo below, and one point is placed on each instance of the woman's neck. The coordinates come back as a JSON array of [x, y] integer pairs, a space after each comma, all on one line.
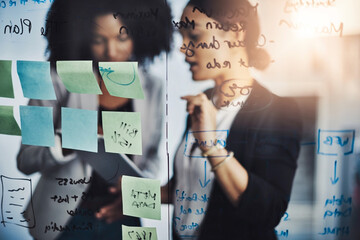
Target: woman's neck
[[233, 85]]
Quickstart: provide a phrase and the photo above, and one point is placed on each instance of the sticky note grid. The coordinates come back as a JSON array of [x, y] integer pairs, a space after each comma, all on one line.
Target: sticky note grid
[[122, 130]]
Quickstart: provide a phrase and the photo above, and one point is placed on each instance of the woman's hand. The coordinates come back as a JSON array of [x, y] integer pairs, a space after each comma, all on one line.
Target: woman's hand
[[203, 118], [113, 211], [232, 176]]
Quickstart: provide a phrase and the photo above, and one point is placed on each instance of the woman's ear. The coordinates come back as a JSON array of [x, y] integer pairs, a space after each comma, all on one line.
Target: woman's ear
[[240, 35], [232, 35]]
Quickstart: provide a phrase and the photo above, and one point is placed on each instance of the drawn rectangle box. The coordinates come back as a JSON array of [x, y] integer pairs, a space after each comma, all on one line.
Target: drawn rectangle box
[[335, 142], [16, 193], [220, 142]]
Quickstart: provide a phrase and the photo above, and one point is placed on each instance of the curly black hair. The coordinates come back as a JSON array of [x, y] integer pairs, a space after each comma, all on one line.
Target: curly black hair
[[69, 26]]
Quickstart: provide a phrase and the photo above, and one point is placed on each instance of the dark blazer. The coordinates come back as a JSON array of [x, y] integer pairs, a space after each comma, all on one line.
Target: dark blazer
[[265, 138]]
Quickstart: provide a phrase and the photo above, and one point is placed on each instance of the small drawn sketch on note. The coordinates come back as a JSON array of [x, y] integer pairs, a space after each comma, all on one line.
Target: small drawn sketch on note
[[16, 193], [122, 79]]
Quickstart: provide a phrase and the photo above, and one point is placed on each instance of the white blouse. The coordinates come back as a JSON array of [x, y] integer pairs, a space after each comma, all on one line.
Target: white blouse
[[194, 179]]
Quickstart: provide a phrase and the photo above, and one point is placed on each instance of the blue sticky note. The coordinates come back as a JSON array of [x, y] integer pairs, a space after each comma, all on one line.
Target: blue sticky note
[[35, 80], [79, 129], [37, 126]]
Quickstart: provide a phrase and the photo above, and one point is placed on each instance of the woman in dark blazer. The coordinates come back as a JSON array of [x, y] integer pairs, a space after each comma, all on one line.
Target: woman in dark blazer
[[235, 166]]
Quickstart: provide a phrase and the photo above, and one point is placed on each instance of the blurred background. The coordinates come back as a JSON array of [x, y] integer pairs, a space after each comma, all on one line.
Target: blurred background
[[315, 51]]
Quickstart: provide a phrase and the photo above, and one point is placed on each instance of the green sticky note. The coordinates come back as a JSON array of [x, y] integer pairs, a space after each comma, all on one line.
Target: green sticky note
[[141, 197], [78, 76], [122, 132], [122, 79], [37, 126], [8, 124], [6, 87], [136, 233], [79, 129], [35, 80]]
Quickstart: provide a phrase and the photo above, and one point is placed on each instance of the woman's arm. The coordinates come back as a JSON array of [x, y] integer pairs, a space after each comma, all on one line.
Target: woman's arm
[[259, 193], [167, 192], [231, 175]]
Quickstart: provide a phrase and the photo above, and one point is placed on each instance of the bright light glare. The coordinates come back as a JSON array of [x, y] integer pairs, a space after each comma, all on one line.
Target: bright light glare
[[311, 22]]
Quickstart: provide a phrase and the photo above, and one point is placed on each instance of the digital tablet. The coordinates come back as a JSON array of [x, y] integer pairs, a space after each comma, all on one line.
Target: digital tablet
[[110, 166]]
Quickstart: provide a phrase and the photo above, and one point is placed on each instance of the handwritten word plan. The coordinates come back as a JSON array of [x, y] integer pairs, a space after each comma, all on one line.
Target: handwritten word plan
[[138, 233], [78, 76], [37, 126], [35, 80], [141, 197], [6, 86], [122, 132], [122, 79]]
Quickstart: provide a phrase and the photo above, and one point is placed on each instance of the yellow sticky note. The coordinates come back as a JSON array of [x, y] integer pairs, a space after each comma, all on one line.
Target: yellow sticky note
[[136, 233], [141, 197]]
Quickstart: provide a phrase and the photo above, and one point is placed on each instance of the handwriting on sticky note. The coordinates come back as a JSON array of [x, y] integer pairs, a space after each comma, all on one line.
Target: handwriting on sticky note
[[35, 80], [141, 197], [6, 87], [121, 79], [8, 124], [138, 233], [16, 193], [122, 132], [37, 126], [78, 76], [79, 129]]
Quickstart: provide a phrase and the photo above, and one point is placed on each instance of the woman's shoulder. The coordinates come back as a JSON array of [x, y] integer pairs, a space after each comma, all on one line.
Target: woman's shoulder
[[283, 113], [274, 101], [149, 80]]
